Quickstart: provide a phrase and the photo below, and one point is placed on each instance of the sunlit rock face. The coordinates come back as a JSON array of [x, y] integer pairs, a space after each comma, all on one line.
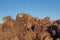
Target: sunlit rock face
[[26, 27]]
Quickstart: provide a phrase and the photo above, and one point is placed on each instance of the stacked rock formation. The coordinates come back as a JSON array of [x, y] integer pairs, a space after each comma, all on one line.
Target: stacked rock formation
[[26, 27]]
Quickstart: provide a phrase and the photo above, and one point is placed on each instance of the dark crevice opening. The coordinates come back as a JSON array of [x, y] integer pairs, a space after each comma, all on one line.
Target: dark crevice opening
[[33, 27]]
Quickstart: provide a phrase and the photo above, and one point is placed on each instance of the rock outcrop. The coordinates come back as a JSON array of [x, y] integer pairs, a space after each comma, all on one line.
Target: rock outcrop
[[26, 27]]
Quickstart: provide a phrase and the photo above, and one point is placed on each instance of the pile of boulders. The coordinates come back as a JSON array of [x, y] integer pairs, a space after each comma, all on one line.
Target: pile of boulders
[[26, 27]]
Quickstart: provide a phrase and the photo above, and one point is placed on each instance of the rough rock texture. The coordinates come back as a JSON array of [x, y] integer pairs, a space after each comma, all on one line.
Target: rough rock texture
[[26, 27]]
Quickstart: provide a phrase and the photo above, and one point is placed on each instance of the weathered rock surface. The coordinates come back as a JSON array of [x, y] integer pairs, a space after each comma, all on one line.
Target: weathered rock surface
[[26, 27]]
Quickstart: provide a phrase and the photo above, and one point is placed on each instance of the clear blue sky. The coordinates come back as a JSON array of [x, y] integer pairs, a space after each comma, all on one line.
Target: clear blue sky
[[36, 8]]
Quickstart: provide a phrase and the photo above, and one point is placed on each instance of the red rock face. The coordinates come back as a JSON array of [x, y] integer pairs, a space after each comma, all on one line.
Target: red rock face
[[26, 27]]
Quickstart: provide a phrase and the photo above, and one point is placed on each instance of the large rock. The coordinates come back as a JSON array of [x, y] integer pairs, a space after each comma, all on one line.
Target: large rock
[[26, 27]]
